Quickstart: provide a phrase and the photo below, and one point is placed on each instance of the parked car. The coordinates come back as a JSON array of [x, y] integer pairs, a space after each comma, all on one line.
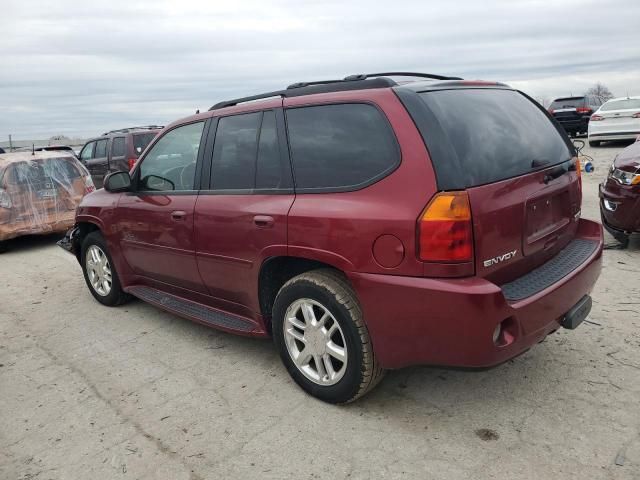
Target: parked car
[[620, 195], [618, 119], [116, 150], [573, 113], [364, 224], [39, 193]]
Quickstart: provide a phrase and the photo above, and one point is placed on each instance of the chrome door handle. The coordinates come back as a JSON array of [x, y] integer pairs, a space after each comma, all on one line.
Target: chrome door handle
[[178, 215], [263, 221]]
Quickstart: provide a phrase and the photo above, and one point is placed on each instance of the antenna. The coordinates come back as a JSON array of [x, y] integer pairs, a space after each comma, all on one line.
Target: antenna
[[33, 149]]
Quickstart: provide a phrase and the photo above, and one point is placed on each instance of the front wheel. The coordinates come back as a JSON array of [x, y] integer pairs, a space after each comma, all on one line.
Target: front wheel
[[99, 271], [322, 339]]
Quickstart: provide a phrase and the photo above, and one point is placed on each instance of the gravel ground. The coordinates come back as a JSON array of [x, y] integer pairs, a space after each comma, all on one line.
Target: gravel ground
[[88, 392]]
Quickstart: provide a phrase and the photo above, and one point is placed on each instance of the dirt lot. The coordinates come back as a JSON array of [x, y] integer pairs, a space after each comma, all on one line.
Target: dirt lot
[[88, 392]]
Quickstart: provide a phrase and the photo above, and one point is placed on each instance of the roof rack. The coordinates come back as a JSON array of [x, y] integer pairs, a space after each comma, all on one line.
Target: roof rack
[[132, 129], [351, 82]]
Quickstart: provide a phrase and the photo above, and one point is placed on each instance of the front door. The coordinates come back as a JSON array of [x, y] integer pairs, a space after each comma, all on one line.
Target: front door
[[156, 219], [242, 218]]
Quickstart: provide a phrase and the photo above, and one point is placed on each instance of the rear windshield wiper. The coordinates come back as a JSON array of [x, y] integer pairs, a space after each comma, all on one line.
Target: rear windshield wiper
[[536, 163]]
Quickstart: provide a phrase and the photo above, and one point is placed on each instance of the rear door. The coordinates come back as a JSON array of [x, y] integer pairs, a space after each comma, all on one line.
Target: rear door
[[241, 214], [117, 158], [518, 170]]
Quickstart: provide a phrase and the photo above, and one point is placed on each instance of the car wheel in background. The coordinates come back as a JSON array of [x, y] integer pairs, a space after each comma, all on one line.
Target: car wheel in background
[[4, 246], [594, 143], [322, 339], [99, 271]]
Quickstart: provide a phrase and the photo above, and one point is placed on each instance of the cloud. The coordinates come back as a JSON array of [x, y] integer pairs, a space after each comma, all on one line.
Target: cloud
[[75, 68]]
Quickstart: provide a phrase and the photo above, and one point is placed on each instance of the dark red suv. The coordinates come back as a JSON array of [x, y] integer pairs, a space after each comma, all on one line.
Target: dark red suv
[[365, 224]]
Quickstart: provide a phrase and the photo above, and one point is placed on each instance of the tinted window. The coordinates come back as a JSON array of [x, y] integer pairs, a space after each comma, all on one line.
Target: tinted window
[[117, 147], [572, 102], [171, 162], [101, 149], [340, 146], [87, 151], [234, 152], [491, 135], [269, 171], [141, 141], [630, 103]]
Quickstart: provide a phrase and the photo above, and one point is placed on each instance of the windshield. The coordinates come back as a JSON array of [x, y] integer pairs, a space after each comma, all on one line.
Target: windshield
[[490, 135], [572, 102], [626, 104]]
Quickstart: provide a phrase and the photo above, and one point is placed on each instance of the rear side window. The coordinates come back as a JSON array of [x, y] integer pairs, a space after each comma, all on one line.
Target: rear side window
[[246, 154], [141, 141], [340, 147], [487, 135], [572, 102], [117, 147], [101, 149]]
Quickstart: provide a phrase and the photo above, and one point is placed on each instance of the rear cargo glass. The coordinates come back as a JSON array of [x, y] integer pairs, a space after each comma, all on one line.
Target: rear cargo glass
[[627, 104], [486, 135], [573, 102], [140, 142]]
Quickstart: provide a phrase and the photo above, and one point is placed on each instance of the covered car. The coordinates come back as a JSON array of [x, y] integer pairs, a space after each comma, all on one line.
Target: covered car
[[39, 192]]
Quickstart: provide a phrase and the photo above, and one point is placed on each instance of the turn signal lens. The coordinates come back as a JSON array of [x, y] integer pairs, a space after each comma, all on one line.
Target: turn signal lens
[[445, 231], [132, 161]]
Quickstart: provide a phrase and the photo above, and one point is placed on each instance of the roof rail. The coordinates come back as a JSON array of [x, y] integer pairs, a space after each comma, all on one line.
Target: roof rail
[[351, 82], [364, 76], [131, 129]]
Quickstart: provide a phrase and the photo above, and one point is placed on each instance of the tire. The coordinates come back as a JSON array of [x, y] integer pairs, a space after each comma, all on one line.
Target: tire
[[594, 143], [112, 296], [329, 296], [4, 246]]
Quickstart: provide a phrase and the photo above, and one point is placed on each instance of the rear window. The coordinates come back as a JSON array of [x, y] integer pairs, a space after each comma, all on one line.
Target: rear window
[[141, 141], [340, 147], [627, 104], [480, 136], [572, 102], [117, 147]]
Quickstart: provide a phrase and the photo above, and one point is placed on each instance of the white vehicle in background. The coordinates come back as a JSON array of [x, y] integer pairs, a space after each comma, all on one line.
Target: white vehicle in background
[[617, 119]]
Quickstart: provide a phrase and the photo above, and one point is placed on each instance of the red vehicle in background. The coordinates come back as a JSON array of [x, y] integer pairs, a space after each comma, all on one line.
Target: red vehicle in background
[[365, 224], [620, 195]]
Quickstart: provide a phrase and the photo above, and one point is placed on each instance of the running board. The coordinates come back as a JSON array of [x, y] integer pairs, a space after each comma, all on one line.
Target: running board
[[192, 310]]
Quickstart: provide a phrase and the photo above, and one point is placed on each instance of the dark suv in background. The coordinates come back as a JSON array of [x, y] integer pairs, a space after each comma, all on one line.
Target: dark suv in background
[[365, 224], [573, 113], [116, 150]]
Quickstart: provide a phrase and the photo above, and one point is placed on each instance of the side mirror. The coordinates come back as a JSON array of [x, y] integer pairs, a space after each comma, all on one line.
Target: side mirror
[[161, 184], [117, 182]]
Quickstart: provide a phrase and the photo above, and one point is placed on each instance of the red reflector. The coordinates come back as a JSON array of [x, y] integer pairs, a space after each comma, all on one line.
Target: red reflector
[[596, 118], [445, 230]]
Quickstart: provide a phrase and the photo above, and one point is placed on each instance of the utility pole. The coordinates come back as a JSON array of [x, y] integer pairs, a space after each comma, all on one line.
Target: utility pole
[[10, 144]]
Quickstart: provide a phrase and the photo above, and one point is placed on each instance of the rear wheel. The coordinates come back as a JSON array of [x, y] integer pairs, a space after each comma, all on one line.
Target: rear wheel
[[594, 143], [99, 271], [322, 339]]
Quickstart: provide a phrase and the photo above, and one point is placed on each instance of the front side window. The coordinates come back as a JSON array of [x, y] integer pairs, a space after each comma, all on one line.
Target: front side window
[[101, 149], [87, 151], [340, 147], [171, 162]]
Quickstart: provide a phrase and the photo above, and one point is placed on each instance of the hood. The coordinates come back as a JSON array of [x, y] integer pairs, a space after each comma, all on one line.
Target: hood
[[629, 159]]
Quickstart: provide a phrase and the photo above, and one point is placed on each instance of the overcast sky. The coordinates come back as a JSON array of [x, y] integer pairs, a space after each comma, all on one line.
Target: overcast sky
[[79, 68]]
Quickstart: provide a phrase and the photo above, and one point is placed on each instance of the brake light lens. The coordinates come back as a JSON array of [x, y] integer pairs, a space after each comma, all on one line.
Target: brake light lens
[[132, 161], [583, 110], [5, 199], [596, 118], [445, 232], [89, 186]]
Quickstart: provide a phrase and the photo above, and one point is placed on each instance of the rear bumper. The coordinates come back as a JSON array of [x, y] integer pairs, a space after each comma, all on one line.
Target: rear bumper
[[452, 321], [607, 136], [574, 125], [47, 223]]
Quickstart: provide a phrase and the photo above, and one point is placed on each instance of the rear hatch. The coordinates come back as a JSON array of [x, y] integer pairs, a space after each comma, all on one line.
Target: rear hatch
[[569, 110], [517, 169]]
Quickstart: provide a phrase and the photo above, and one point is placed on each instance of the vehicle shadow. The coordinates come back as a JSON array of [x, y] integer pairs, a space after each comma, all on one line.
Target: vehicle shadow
[[30, 243]]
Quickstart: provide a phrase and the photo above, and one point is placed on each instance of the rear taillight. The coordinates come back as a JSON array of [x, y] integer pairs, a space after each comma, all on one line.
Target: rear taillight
[[445, 232], [583, 110], [636, 115], [596, 118], [5, 199], [88, 184], [132, 161], [551, 111]]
